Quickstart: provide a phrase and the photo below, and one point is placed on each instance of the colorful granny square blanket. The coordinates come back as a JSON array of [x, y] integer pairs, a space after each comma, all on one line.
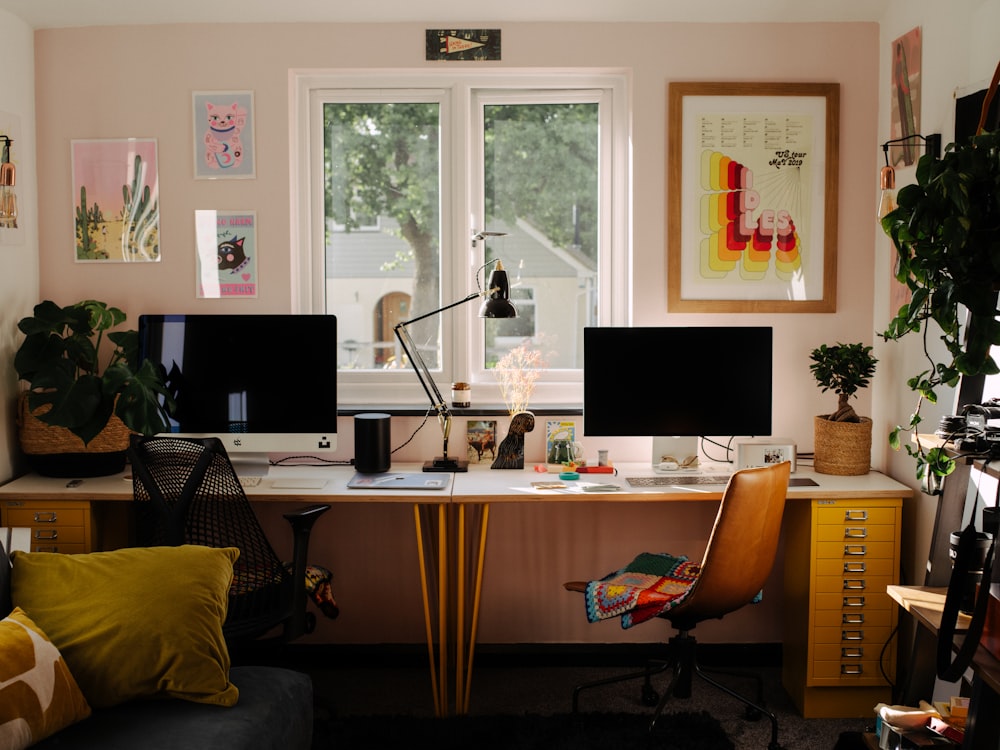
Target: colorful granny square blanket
[[648, 586]]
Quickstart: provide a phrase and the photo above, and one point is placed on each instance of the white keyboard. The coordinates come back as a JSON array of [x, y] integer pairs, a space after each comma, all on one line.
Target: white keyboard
[[250, 481]]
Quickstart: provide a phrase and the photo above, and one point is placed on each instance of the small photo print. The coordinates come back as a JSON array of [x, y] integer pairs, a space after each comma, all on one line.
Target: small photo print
[[556, 430], [482, 440], [226, 244]]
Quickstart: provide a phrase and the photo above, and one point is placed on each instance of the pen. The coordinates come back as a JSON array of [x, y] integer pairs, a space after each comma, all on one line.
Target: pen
[[383, 480]]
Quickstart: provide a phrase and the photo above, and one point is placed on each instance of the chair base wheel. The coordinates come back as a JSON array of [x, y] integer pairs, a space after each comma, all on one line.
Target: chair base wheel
[[649, 696]]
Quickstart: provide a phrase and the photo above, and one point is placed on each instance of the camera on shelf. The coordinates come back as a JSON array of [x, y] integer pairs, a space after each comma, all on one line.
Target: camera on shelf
[[971, 430]]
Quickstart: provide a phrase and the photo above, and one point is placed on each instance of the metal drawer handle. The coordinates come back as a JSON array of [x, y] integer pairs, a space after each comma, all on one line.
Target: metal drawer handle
[[852, 635], [855, 550], [42, 548], [853, 618], [850, 584], [854, 601], [855, 652], [46, 516], [855, 567], [856, 515], [47, 534], [855, 532], [852, 669]]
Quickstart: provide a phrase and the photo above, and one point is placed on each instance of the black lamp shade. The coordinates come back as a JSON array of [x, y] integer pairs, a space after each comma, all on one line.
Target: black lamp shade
[[497, 303]]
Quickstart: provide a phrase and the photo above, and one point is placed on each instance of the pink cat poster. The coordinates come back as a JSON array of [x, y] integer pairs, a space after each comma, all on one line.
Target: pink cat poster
[[223, 135], [226, 243]]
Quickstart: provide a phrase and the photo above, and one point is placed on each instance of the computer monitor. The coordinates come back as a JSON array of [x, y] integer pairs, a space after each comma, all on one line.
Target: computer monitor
[[263, 384], [674, 381]]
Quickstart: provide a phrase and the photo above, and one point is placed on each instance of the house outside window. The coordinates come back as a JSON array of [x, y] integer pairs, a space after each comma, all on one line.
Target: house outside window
[[396, 181]]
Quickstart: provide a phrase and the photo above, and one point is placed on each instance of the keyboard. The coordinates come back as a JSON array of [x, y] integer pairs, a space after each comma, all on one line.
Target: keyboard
[[250, 481], [670, 481]]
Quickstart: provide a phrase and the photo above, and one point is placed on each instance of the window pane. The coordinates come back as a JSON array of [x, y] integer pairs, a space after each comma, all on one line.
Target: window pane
[[382, 209], [541, 188]]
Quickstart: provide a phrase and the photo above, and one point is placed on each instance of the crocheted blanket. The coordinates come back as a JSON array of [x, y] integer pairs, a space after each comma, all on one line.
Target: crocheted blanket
[[648, 586]]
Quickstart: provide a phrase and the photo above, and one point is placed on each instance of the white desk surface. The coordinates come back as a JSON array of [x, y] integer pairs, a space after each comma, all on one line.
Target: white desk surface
[[480, 484]]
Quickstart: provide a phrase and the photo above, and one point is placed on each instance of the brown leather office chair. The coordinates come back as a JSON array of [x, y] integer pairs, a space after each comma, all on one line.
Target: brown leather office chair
[[732, 572]]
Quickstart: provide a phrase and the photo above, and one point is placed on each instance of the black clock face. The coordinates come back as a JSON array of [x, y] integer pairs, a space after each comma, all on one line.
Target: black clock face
[[463, 44]]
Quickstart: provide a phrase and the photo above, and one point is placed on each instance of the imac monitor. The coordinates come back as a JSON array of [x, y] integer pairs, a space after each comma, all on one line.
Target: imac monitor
[[262, 384], [679, 381]]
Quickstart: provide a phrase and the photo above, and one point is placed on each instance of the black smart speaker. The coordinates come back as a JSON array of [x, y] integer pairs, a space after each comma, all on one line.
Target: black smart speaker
[[371, 443]]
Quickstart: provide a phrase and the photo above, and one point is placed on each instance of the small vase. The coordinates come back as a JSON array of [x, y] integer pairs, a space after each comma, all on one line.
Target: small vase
[[510, 453]]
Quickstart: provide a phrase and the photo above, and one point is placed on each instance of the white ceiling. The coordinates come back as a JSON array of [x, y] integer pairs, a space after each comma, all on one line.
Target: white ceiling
[[42, 14]]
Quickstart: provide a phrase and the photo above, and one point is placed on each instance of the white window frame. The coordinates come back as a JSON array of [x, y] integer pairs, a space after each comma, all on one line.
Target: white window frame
[[461, 95]]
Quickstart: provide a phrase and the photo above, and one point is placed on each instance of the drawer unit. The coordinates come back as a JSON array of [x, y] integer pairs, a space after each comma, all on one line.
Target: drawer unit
[[56, 526], [841, 556]]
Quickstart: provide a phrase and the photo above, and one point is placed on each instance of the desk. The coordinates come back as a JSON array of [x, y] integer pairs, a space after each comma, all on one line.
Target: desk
[[452, 530], [925, 604]]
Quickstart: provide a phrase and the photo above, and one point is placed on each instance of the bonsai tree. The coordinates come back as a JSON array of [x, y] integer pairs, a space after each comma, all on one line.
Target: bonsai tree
[[60, 360], [946, 231], [843, 369]]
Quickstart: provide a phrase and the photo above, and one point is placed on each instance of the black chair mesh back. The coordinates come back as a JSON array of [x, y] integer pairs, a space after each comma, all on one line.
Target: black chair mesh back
[[187, 492]]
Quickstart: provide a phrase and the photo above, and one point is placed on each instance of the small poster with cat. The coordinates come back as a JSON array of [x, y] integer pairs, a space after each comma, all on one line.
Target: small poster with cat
[[227, 253], [223, 135]]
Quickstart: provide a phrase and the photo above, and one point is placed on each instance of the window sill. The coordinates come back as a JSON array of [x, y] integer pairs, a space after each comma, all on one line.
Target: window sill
[[486, 410]]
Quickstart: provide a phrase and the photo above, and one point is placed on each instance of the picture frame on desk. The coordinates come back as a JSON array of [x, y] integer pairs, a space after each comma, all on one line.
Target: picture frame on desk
[[752, 197]]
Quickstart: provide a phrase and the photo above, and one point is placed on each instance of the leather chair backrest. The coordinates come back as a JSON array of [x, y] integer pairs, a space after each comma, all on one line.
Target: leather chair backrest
[[742, 547]]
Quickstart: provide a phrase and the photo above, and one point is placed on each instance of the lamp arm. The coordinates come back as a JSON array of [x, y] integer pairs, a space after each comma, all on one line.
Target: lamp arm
[[438, 402]]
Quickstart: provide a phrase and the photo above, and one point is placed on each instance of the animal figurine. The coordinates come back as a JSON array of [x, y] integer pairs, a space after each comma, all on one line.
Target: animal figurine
[[510, 454]]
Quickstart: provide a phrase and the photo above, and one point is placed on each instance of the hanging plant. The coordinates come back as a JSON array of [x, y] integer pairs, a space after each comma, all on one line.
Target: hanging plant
[[946, 231]]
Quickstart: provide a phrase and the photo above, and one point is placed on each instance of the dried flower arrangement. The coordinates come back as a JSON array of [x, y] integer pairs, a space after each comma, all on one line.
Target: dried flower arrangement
[[516, 372]]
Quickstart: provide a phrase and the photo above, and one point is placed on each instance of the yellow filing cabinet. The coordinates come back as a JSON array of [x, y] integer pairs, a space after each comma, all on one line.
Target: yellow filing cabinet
[[56, 525], [839, 645]]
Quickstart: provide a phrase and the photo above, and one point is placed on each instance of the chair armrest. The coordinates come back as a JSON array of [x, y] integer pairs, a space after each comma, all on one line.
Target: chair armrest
[[302, 521], [580, 586]]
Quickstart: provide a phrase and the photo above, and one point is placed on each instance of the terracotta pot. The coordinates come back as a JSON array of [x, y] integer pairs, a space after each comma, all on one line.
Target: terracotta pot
[[843, 448]]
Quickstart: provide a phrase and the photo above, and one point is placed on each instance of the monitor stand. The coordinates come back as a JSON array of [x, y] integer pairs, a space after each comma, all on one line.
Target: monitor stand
[[250, 464], [678, 447]]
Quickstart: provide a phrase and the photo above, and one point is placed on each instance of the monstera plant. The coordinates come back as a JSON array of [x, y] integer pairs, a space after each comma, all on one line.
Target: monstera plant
[[946, 231], [69, 386]]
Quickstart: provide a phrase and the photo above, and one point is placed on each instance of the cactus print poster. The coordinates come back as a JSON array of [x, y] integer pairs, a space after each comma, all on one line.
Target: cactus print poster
[[226, 243], [116, 200], [223, 135]]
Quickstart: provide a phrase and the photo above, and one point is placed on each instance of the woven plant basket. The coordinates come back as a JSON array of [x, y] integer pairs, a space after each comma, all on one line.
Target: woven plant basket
[[843, 448], [56, 452]]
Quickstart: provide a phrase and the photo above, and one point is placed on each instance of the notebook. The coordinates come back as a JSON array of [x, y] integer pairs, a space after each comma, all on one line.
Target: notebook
[[398, 481]]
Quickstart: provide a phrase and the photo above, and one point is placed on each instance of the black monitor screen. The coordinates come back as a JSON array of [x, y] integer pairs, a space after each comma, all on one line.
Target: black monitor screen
[[262, 383], [683, 381]]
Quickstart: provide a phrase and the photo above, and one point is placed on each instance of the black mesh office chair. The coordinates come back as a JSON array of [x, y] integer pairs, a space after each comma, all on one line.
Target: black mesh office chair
[[733, 570], [186, 492]]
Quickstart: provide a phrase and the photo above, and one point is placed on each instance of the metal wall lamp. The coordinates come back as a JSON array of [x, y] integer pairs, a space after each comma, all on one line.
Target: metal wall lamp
[[887, 175], [496, 304], [8, 196]]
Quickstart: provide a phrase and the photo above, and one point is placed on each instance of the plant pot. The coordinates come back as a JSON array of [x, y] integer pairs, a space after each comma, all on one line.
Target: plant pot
[[56, 452], [843, 448]]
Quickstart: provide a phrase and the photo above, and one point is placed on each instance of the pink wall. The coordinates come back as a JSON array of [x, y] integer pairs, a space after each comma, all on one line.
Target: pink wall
[[138, 81]]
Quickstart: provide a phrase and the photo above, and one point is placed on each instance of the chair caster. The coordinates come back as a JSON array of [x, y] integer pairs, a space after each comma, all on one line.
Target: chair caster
[[650, 697]]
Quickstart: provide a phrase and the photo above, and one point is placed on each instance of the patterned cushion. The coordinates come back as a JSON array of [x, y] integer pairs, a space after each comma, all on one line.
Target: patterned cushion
[[647, 587], [137, 622], [38, 695]]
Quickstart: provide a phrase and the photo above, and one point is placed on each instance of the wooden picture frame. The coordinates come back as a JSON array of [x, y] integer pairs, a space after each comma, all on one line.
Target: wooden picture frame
[[752, 197]]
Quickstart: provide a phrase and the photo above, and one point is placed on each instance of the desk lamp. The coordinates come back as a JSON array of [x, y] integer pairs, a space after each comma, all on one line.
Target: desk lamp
[[496, 304]]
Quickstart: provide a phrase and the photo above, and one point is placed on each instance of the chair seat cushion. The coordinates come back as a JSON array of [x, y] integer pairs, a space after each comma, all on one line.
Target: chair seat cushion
[[645, 588]]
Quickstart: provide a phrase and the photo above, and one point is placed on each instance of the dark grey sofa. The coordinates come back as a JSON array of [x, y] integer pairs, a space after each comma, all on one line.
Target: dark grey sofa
[[274, 712]]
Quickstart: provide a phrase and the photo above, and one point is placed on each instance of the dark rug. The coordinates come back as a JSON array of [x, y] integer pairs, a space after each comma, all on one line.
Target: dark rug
[[678, 731]]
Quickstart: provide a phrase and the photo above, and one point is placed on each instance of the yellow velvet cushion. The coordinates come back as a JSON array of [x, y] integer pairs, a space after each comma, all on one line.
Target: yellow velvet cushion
[[135, 622], [38, 695]]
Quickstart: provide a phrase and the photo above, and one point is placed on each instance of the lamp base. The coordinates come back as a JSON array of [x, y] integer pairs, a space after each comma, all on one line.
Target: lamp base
[[446, 464]]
